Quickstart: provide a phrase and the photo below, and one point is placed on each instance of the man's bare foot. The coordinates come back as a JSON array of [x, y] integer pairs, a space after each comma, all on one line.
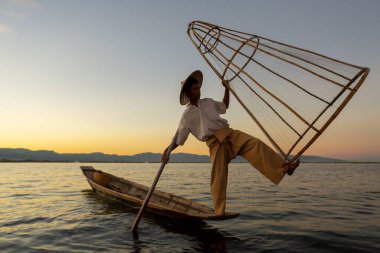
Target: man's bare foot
[[292, 167]]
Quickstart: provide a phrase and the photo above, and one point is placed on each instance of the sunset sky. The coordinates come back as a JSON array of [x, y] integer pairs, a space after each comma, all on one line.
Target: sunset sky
[[104, 76]]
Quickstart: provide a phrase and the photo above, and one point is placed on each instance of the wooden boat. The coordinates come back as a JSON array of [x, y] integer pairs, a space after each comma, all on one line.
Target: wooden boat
[[162, 203]]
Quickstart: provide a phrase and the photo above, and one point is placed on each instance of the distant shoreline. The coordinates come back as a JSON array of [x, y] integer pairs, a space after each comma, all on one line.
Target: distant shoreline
[[11, 155], [32, 161]]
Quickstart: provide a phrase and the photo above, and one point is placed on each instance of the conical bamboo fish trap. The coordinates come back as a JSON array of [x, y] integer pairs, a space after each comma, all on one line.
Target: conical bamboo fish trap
[[291, 93]]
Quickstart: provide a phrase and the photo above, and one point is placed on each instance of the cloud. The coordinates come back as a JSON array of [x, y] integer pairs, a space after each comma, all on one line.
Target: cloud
[[17, 15], [21, 9], [18, 10], [29, 4], [4, 29]]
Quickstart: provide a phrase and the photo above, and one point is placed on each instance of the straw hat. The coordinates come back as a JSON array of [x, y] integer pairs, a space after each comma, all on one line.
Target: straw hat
[[197, 75]]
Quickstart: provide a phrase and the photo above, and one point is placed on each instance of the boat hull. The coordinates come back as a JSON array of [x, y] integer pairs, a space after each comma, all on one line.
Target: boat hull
[[164, 204]]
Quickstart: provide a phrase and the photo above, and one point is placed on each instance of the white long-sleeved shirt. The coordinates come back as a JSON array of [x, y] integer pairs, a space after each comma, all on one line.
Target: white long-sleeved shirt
[[201, 121]]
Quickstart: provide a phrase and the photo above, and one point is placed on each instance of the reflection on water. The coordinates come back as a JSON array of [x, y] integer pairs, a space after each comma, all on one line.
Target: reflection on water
[[206, 237], [323, 207]]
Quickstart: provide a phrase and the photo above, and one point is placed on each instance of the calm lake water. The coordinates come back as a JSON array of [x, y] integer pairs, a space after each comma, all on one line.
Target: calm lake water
[[50, 207]]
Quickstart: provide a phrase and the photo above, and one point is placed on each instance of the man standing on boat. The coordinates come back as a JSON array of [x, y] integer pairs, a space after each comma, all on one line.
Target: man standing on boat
[[202, 119]]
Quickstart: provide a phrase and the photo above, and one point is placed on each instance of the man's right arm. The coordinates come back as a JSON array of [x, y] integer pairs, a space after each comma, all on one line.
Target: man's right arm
[[179, 139], [163, 157]]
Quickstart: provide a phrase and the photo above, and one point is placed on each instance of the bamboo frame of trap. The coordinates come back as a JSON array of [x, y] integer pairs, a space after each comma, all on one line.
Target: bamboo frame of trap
[[208, 45]]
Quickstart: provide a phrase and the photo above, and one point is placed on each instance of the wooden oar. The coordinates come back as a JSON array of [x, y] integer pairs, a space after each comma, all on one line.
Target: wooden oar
[[147, 198]]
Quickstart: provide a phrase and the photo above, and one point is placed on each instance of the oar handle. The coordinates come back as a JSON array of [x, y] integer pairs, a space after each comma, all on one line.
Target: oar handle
[[147, 198]]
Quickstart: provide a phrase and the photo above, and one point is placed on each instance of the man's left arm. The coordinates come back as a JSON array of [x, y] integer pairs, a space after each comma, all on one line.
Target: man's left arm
[[226, 98]]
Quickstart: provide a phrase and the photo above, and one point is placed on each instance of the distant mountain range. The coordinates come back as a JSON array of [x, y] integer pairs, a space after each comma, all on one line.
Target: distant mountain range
[[26, 155]]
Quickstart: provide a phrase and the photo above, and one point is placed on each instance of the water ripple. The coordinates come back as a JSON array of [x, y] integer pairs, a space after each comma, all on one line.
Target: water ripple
[[50, 207]]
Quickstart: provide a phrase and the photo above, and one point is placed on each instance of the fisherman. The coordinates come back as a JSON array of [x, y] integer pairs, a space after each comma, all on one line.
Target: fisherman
[[202, 119]]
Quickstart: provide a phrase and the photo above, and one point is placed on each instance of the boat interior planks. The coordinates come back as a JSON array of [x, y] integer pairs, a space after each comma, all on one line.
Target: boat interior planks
[[162, 203]]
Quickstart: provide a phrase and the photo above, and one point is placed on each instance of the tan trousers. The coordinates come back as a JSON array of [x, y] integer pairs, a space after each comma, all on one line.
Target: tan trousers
[[224, 146]]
